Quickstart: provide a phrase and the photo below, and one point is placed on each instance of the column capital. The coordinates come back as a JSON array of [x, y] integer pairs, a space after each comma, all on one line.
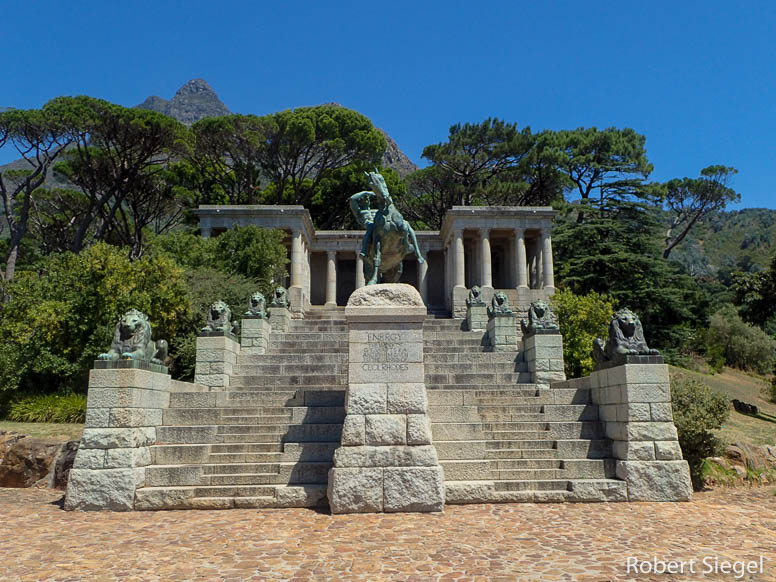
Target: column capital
[[484, 232], [331, 254]]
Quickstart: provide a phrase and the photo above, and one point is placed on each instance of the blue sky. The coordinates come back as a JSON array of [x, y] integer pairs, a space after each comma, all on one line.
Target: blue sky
[[697, 78]]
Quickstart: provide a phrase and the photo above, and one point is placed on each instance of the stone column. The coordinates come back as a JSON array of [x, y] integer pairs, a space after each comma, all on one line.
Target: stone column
[[634, 403], [205, 230], [448, 278], [547, 268], [459, 271], [459, 294], [486, 275], [387, 461], [360, 280], [296, 289], [307, 278], [216, 356], [331, 279], [521, 262], [123, 410], [423, 279]]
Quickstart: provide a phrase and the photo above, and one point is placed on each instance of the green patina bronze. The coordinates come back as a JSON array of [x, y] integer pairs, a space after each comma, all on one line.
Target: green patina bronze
[[388, 239]]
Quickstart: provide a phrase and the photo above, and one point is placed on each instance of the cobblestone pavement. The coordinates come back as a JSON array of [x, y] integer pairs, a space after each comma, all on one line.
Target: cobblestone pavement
[[40, 541]]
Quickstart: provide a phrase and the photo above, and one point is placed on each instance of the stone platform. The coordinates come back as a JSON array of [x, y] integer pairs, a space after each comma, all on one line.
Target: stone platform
[[261, 425]]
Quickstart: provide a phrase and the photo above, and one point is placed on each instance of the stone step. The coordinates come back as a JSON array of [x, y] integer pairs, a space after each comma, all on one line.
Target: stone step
[[324, 338], [523, 464], [306, 348], [269, 369], [245, 457], [311, 381], [234, 491], [453, 349], [576, 490], [443, 335], [240, 468], [553, 430], [512, 454], [491, 445], [476, 368], [266, 434], [533, 485], [475, 357], [486, 413], [503, 395], [516, 389], [463, 379], [200, 416], [551, 412], [296, 359], [299, 397], [283, 345], [457, 341], [309, 395]]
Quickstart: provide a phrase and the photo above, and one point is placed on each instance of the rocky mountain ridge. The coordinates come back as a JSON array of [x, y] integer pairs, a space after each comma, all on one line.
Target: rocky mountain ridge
[[196, 100]]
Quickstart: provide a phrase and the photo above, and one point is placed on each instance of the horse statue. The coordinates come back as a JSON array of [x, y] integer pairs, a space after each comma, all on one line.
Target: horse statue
[[388, 239]]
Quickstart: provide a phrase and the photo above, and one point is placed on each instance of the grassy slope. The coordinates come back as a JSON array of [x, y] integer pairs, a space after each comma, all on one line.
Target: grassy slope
[[65, 432], [757, 430]]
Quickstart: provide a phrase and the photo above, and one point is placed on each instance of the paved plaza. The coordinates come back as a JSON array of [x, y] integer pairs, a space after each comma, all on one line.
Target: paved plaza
[[505, 542]]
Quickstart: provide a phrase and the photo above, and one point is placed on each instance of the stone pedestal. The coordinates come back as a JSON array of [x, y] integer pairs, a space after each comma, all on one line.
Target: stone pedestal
[[477, 317], [124, 407], [634, 402], [386, 461], [458, 303], [543, 353], [279, 319], [216, 356], [254, 336], [296, 301], [502, 332]]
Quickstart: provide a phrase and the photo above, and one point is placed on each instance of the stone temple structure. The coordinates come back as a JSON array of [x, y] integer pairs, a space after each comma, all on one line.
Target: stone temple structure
[[446, 388], [495, 247]]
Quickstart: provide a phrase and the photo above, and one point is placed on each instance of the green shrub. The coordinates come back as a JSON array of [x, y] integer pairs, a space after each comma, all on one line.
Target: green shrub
[[769, 390], [48, 408], [744, 346], [62, 314], [582, 318], [698, 410]]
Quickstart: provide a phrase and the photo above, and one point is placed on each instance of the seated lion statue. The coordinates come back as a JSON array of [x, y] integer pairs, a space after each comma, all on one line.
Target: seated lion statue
[[132, 341], [499, 305], [257, 306], [219, 318], [280, 298], [626, 338], [540, 316], [475, 297]]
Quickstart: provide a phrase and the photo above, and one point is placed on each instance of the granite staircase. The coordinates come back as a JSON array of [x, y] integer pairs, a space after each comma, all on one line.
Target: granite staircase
[[268, 440], [501, 438]]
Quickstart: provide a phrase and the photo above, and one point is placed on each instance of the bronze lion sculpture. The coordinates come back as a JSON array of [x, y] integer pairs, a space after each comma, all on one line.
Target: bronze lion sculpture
[[626, 338], [219, 318], [280, 299], [132, 340], [540, 317], [257, 306]]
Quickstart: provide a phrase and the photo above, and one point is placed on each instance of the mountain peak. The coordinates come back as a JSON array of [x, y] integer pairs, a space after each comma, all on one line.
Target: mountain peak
[[195, 100], [193, 87]]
